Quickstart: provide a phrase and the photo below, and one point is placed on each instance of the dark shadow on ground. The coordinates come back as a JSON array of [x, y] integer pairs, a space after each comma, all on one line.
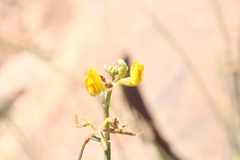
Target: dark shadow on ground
[[136, 102]]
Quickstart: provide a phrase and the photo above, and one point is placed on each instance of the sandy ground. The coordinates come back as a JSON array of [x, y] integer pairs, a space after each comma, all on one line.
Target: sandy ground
[[47, 46]]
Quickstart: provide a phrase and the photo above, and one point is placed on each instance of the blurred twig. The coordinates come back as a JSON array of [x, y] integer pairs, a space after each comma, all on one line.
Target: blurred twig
[[181, 51], [19, 47], [223, 29], [183, 54], [228, 52], [234, 67], [5, 106]]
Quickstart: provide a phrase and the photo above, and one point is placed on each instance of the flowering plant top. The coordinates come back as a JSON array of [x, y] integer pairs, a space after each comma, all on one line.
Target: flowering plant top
[[95, 82]]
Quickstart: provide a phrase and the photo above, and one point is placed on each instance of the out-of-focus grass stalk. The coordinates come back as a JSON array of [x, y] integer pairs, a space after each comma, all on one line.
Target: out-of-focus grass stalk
[[19, 47], [234, 67], [25, 143], [181, 51]]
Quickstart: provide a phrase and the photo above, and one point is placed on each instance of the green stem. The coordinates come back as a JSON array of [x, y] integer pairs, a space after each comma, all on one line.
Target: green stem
[[107, 153], [94, 138], [81, 153]]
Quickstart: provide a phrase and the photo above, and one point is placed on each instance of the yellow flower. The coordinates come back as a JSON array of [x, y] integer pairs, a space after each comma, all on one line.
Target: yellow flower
[[135, 78], [93, 82]]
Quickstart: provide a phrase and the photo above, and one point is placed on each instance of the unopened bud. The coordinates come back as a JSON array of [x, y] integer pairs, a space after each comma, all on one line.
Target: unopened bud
[[123, 68], [108, 68]]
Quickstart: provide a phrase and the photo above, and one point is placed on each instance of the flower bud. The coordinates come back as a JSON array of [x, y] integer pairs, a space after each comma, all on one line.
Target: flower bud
[[108, 68], [114, 71], [122, 69]]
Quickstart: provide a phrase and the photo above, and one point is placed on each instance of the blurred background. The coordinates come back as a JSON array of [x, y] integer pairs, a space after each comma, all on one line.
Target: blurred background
[[187, 103]]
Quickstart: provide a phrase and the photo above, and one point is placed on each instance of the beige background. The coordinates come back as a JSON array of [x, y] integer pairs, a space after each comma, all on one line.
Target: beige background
[[76, 34]]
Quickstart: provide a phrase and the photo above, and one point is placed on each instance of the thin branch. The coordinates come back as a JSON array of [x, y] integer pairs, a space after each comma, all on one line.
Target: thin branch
[[183, 54], [223, 28], [25, 143], [234, 66], [181, 51], [81, 152], [19, 47]]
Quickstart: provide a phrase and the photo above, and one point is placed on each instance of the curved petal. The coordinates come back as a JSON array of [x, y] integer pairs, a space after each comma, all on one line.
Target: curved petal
[[135, 78], [93, 82]]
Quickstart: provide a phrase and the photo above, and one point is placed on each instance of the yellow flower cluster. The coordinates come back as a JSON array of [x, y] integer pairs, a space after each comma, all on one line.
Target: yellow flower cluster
[[96, 83]]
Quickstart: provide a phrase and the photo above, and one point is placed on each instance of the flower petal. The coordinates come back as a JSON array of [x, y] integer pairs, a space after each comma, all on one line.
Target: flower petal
[[135, 78], [93, 82]]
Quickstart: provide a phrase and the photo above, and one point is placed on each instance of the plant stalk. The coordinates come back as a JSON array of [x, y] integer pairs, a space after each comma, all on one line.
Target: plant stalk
[[107, 153], [81, 153]]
